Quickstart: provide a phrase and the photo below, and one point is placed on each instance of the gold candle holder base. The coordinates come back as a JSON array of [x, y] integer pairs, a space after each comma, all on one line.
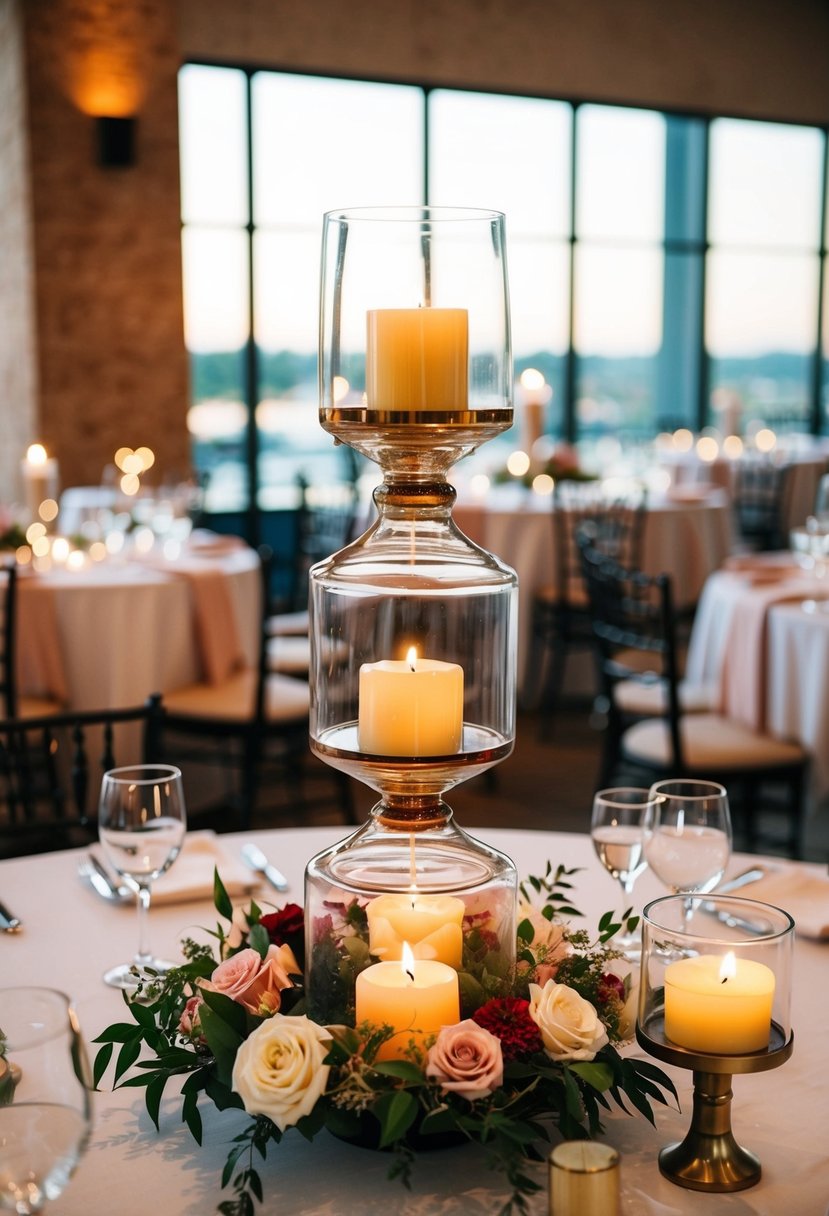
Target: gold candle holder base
[[709, 1158]]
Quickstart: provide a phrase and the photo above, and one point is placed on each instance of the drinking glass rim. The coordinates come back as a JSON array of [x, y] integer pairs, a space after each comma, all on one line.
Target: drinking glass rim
[[411, 213], [713, 789], [164, 770], [743, 903], [646, 801], [64, 1001]]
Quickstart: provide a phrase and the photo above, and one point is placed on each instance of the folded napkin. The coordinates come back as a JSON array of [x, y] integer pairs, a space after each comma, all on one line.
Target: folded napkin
[[802, 893], [743, 672], [191, 875]]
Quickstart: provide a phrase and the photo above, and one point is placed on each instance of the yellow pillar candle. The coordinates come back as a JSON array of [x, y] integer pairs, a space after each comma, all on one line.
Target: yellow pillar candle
[[417, 359], [431, 924], [415, 999], [720, 1005], [411, 707]]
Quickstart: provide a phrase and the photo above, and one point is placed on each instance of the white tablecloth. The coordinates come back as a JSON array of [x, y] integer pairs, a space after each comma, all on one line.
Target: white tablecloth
[[70, 936], [687, 540], [127, 629], [797, 663]]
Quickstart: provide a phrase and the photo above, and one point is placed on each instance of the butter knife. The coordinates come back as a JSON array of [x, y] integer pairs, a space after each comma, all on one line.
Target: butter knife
[[8, 922], [253, 856], [94, 873]]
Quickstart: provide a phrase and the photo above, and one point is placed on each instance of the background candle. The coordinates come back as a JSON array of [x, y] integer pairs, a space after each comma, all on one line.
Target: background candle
[[584, 1179], [411, 707], [40, 478], [414, 1003], [719, 1004], [417, 359], [431, 924]]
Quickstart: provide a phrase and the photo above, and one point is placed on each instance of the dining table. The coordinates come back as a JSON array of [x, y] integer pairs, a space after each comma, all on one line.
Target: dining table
[[108, 633], [70, 936], [760, 639], [685, 534]]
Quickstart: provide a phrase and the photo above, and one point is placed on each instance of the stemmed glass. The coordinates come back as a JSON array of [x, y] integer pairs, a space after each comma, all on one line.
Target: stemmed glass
[[688, 834], [617, 832], [141, 826], [45, 1087]]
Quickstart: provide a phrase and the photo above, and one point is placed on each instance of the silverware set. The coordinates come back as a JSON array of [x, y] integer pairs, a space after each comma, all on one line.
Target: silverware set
[[94, 873]]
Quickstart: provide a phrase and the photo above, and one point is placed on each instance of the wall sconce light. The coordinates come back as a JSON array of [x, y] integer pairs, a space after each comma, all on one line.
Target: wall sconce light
[[116, 142]]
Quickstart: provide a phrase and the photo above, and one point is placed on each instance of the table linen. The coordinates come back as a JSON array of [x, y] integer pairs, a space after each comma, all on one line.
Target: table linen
[[70, 936]]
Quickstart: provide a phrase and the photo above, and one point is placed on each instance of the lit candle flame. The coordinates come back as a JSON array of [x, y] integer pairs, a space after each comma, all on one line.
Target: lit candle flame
[[411, 658], [407, 961], [728, 968], [36, 453]]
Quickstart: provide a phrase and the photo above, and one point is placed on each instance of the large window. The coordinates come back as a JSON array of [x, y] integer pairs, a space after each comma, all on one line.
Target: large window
[[662, 267]]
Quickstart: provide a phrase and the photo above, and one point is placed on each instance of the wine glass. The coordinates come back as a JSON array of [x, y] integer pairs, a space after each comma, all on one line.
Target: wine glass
[[688, 834], [45, 1088], [617, 832], [141, 826]]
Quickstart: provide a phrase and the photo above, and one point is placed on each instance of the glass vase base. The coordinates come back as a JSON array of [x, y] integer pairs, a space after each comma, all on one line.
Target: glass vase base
[[130, 976]]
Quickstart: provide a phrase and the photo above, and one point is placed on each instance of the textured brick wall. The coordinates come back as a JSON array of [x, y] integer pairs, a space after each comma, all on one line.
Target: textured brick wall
[[18, 404], [112, 365]]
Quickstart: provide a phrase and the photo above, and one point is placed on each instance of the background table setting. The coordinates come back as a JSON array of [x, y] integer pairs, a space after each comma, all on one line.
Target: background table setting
[[70, 936]]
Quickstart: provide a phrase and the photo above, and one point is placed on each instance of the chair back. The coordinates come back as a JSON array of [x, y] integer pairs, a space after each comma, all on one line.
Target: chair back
[[632, 614], [616, 525], [8, 614], [48, 783], [760, 497], [325, 523]]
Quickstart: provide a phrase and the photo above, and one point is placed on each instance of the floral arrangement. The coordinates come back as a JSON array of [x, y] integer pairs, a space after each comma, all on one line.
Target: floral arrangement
[[562, 465], [231, 1023]]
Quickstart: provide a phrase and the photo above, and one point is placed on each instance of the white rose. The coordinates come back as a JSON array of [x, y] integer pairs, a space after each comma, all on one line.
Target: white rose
[[570, 1027], [279, 1070]]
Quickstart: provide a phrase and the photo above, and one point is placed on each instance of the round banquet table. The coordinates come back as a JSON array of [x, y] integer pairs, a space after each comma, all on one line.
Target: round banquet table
[[116, 631], [796, 662], [70, 936], [687, 539]]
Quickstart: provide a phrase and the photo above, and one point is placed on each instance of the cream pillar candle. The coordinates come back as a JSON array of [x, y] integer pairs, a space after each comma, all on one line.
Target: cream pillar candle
[[415, 998], [719, 1004], [417, 359], [584, 1179], [40, 479], [431, 924], [411, 707]]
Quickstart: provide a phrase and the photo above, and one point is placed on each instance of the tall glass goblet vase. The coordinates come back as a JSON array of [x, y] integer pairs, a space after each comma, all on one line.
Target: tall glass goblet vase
[[413, 627]]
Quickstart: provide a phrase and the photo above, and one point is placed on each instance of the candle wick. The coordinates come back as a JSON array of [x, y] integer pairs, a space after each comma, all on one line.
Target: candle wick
[[724, 979], [410, 974]]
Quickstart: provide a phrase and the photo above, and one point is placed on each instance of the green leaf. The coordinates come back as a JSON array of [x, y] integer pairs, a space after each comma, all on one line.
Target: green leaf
[[152, 1097], [221, 899], [102, 1060], [402, 1069], [599, 1076], [230, 1011], [121, 1032], [396, 1112], [222, 1040], [127, 1056], [259, 940], [526, 931], [190, 1115]]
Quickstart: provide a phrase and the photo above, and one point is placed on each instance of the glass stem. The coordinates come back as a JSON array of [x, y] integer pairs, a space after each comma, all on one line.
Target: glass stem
[[143, 955]]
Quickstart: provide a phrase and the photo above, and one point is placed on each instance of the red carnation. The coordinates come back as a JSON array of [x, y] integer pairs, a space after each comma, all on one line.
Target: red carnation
[[287, 928], [611, 986], [508, 1018]]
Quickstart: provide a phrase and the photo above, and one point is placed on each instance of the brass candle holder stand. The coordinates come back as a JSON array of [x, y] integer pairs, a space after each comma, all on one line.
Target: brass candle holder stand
[[709, 1158]]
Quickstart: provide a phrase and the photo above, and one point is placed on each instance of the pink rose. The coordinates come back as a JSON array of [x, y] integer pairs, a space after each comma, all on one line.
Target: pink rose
[[467, 1060], [253, 981], [189, 1023]]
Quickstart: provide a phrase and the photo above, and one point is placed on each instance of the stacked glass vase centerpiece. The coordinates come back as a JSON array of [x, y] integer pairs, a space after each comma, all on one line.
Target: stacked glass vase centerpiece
[[411, 922]]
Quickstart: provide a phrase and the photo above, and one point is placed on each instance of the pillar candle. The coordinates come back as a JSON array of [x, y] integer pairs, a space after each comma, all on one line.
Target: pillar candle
[[417, 359], [431, 924], [719, 1004], [414, 1002], [40, 478], [584, 1179], [411, 707]]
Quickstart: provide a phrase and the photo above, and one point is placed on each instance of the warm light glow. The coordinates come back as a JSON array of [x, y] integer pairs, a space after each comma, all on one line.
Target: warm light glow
[[531, 379], [707, 448], [543, 484], [339, 388], [765, 439], [732, 446], [60, 548], [143, 539], [34, 532], [76, 560], [41, 546], [147, 458], [479, 485], [36, 454], [23, 555], [98, 551], [48, 510], [222, 419], [130, 485], [518, 463], [132, 463], [728, 967], [411, 658], [120, 456], [683, 440], [114, 542], [407, 960]]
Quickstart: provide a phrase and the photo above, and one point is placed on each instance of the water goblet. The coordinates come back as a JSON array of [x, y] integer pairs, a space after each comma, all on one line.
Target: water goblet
[[45, 1088], [688, 834], [141, 826], [617, 832]]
